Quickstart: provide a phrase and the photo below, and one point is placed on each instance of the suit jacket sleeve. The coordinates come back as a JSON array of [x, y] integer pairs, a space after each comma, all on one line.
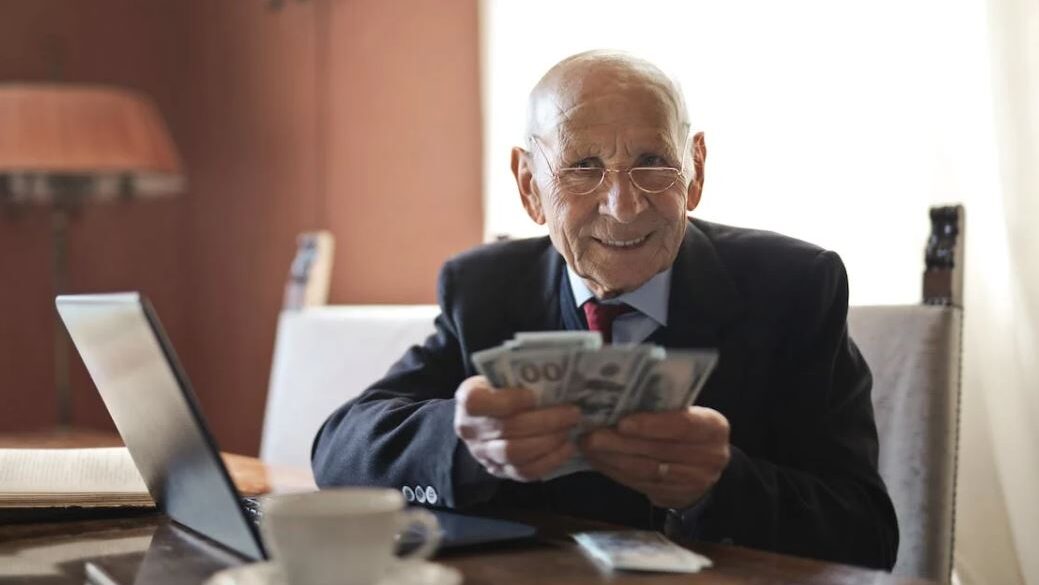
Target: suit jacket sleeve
[[400, 431], [818, 493]]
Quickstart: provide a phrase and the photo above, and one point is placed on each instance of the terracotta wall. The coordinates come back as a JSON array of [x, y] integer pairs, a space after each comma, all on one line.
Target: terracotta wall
[[361, 117], [128, 245], [405, 150]]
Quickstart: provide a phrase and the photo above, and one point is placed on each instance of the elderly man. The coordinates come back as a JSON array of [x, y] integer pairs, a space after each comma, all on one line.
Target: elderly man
[[781, 451]]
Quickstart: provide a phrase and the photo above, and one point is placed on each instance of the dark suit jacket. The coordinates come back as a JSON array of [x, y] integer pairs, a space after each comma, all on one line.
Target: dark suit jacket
[[803, 475]]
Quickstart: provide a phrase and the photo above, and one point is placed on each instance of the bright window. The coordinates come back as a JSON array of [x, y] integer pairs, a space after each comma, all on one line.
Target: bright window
[[835, 122]]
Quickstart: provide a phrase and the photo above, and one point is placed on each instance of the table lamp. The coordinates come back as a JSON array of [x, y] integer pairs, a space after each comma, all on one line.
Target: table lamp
[[63, 145]]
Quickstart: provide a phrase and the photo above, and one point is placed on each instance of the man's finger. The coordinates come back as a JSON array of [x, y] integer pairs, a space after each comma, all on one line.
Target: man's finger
[[614, 473], [483, 401], [530, 423], [671, 495], [627, 467], [635, 468], [610, 441], [606, 441], [540, 421], [693, 424], [665, 495], [541, 467], [519, 451]]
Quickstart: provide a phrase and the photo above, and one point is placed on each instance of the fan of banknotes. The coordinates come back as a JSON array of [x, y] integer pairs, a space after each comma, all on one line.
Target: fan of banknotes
[[606, 382]]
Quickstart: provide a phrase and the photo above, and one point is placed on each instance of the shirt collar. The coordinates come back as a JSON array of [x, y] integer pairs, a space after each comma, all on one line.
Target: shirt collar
[[650, 299]]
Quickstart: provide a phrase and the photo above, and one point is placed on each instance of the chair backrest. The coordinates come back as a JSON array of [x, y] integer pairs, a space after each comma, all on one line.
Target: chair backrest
[[310, 274], [914, 354], [325, 356]]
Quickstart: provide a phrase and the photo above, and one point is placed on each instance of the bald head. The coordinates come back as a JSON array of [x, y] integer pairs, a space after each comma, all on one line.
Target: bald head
[[601, 116], [594, 75]]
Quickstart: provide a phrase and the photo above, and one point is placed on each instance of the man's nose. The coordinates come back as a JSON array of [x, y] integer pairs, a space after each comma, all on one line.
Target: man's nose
[[623, 201]]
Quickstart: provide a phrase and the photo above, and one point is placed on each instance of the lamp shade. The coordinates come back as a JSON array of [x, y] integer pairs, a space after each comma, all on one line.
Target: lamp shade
[[113, 137]]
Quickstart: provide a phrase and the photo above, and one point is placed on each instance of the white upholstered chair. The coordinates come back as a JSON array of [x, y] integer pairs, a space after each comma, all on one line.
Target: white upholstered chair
[[913, 352], [324, 356]]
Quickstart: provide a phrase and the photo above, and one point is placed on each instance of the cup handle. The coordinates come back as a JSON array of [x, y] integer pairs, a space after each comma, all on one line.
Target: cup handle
[[431, 532]]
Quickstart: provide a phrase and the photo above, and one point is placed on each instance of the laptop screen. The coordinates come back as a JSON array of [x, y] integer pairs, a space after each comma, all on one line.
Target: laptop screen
[[148, 396]]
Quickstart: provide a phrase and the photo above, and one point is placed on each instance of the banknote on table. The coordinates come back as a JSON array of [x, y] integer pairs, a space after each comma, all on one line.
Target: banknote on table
[[641, 550]]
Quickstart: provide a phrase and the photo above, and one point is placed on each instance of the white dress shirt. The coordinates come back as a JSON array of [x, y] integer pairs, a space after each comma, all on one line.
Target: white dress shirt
[[649, 301]]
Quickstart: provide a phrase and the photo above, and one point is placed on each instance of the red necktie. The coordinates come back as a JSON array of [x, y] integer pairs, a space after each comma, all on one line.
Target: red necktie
[[601, 316]]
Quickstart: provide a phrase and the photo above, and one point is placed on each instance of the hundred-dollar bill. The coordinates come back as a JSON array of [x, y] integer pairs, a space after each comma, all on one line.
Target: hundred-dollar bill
[[545, 371], [491, 364], [590, 340], [599, 380], [706, 360], [670, 383], [664, 386]]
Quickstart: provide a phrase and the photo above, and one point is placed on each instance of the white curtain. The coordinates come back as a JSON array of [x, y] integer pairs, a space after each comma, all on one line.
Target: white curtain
[[999, 474], [841, 123]]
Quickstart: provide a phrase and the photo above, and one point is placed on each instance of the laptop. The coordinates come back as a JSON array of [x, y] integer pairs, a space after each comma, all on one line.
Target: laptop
[[155, 411]]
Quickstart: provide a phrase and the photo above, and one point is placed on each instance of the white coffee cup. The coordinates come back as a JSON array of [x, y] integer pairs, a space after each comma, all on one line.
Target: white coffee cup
[[341, 536]]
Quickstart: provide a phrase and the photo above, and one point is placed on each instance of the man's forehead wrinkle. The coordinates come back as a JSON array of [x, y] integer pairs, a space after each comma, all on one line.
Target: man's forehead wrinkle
[[562, 113], [547, 112], [575, 78], [631, 105], [649, 131]]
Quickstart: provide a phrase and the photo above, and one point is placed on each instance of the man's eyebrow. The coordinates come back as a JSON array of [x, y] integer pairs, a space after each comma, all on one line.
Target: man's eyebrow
[[662, 142], [570, 146], [667, 140], [659, 143]]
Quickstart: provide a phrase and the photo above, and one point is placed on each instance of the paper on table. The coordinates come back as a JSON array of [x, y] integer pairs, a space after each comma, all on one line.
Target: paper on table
[[70, 477]]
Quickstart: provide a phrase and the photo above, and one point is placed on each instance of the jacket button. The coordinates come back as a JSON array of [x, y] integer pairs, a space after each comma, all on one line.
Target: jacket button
[[431, 495], [420, 494], [409, 494]]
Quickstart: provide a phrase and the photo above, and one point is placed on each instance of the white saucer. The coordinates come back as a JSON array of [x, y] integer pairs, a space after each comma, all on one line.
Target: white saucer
[[402, 573]]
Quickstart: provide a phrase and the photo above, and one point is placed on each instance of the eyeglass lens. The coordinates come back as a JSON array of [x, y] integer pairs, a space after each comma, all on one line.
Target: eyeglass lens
[[648, 179]]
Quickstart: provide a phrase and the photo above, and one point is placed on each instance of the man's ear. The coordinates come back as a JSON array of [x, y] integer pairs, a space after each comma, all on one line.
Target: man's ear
[[699, 148], [523, 170]]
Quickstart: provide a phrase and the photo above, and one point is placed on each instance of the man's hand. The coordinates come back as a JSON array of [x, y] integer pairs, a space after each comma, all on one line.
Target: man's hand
[[506, 432], [672, 457]]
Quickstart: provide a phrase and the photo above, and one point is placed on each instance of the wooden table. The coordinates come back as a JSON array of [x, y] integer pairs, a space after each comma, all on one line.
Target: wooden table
[[149, 549]]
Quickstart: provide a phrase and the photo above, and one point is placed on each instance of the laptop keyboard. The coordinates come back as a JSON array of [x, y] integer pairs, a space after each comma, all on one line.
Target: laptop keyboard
[[253, 509]]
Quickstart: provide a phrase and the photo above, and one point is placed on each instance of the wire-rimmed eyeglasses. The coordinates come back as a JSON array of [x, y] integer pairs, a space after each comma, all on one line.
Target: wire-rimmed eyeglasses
[[586, 180]]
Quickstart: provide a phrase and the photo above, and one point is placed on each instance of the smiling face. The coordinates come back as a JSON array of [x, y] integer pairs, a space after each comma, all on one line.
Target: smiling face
[[608, 115]]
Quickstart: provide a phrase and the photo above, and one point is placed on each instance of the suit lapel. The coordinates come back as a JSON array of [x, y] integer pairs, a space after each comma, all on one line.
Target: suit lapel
[[573, 319], [703, 297], [541, 310]]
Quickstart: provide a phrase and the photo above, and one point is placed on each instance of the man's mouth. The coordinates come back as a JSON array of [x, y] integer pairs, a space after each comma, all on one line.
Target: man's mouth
[[623, 244]]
